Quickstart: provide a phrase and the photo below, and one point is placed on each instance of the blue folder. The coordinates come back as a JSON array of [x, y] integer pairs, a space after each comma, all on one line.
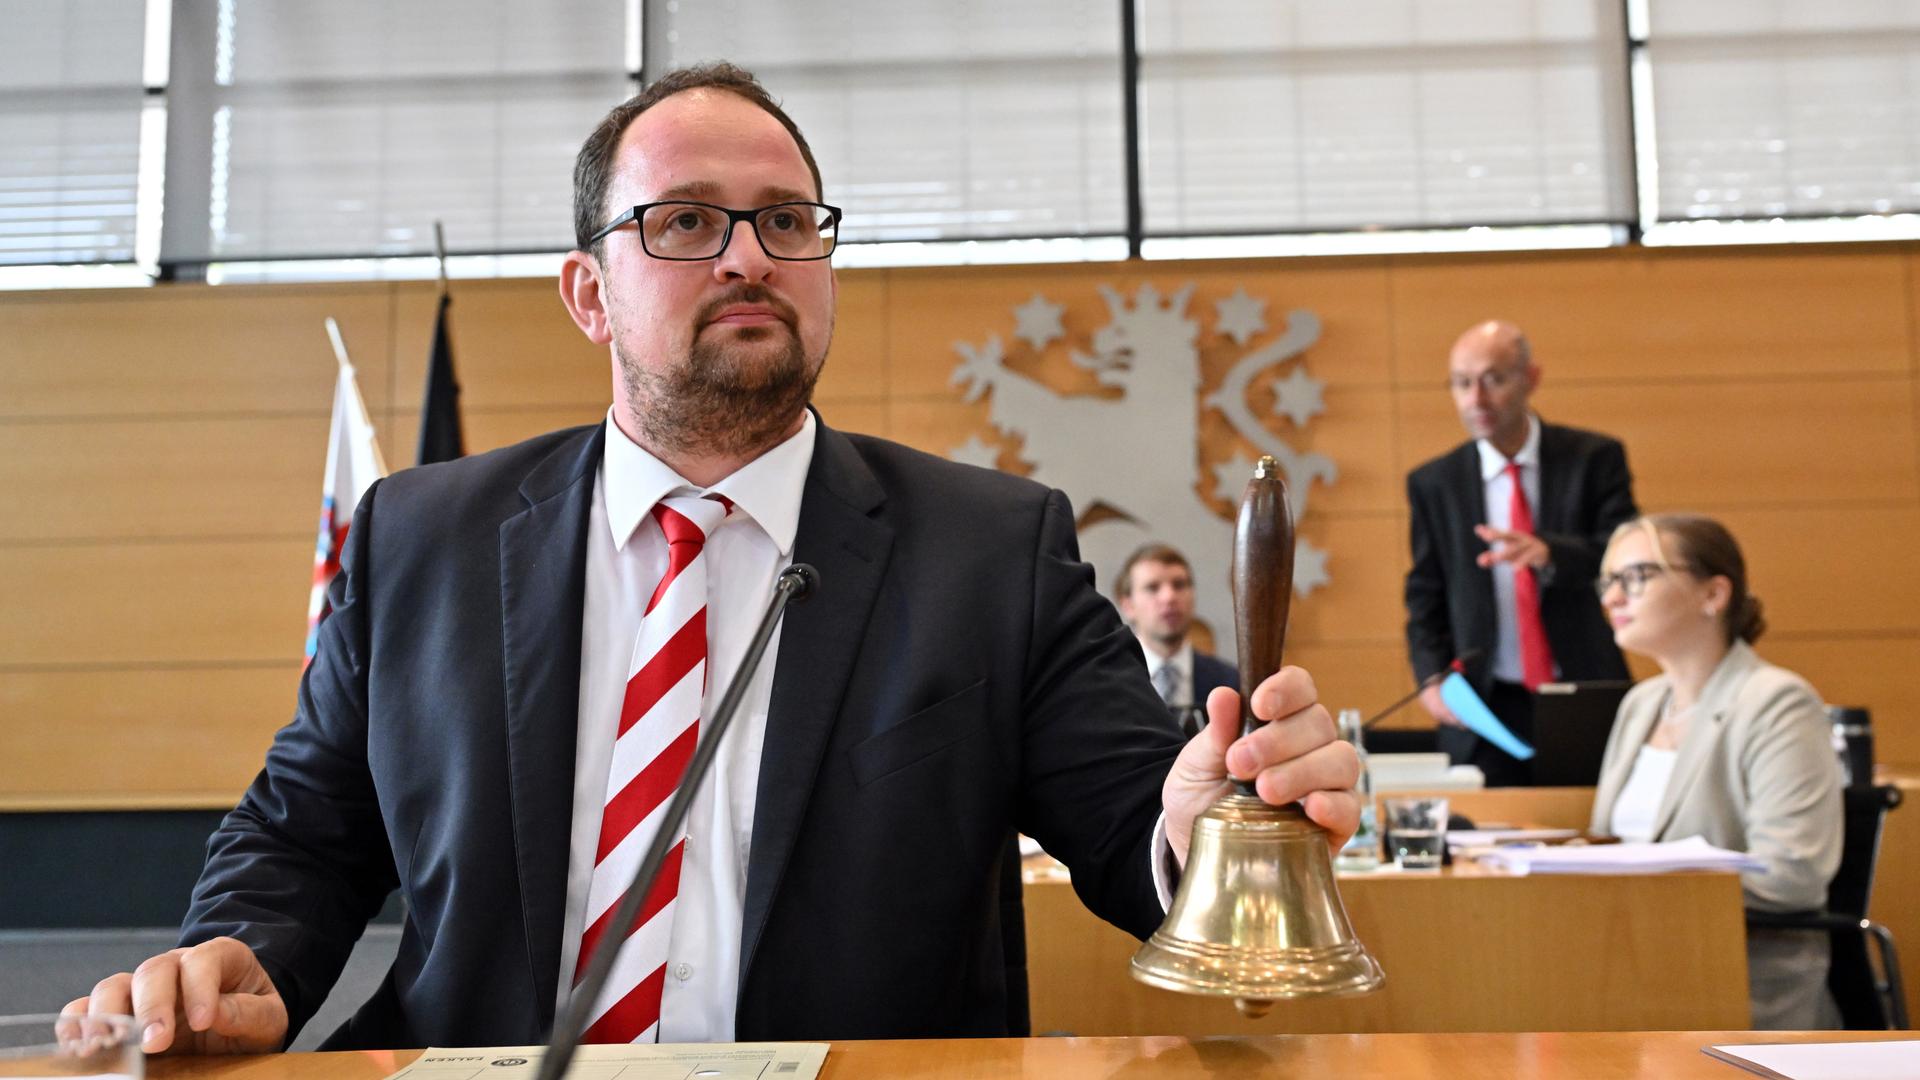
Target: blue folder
[[1459, 696]]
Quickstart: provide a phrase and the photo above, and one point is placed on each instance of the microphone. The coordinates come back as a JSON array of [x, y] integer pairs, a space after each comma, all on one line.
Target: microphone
[[1458, 664], [795, 583]]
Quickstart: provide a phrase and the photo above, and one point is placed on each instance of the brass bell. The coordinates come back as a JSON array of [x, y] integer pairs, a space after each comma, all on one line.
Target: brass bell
[[1257, 916]]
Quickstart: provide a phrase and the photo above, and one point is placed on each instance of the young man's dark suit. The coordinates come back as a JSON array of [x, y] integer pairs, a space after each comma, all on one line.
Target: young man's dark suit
[[1209, 672], [1585, 491], [955, 676]]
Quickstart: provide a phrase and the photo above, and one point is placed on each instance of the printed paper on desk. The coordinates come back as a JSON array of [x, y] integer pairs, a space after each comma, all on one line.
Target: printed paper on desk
[[1471, 711], [1693, 853], [637, 1061], [1895, 1060]]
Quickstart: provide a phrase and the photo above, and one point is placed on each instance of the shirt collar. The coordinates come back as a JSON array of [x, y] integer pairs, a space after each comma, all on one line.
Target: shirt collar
[[766, 489], [1493, 462], [1181, 660]]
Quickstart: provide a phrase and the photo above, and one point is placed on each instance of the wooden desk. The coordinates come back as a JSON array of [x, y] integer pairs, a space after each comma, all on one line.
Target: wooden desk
[[1673, 1055], [1463, 949], [1536, 807]]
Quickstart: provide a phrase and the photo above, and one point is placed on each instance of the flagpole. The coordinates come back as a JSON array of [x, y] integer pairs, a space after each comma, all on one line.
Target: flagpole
[[339, 345], [440, 253]]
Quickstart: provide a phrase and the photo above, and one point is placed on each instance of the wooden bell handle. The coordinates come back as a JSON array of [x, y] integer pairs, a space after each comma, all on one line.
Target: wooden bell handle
[[1262, 580]]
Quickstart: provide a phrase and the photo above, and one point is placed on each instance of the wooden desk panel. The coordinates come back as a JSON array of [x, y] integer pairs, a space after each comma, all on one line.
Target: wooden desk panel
[[1463, 951], [1531, 807], [1674, 1055]]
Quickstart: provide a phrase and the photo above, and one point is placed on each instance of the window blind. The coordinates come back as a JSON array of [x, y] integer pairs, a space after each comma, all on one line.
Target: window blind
[[70, 100], [1319, 115], [934, 119], [347, 128], [1766, 108]]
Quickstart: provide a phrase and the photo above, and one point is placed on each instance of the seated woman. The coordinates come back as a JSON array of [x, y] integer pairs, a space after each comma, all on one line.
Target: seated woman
[[1722, 744]]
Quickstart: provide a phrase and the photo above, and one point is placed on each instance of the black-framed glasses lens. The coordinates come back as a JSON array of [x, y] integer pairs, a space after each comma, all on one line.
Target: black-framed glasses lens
[[690, 230], [1631, 579]]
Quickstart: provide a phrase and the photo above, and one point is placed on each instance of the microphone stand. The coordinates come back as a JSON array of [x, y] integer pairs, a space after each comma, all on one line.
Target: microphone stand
[[1458, 664], [795, 584]]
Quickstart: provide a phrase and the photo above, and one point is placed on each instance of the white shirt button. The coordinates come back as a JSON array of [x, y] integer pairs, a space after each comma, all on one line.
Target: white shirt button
[[683, 971]]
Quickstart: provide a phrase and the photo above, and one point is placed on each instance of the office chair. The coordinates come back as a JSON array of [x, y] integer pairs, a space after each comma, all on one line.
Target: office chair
[[1869, 1000]]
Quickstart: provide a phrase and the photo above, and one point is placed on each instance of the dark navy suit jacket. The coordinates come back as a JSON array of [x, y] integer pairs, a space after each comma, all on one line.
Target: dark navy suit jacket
[[955, 677]]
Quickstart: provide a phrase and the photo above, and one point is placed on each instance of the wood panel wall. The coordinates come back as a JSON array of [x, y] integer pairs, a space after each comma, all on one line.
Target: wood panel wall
[[160, 455]]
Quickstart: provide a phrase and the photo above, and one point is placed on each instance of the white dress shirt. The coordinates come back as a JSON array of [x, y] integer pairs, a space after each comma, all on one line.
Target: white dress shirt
[[1639, 801], [626, 557], [1499, 492], [1182, 663]]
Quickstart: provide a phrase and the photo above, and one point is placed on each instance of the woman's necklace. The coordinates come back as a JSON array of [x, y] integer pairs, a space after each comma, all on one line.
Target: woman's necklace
[[1672, 726]]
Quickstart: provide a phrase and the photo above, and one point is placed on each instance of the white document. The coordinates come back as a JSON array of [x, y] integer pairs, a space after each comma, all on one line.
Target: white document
[[1693, 853], [646, 1061], [1474, 838], [1898, 1060]]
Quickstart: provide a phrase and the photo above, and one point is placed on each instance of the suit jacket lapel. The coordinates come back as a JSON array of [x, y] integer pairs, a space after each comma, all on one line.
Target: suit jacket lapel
[[1467, 463], [1551, 516], [818, 644], [1708, 727], [1635, 727], [1467, 480], [543, 559]]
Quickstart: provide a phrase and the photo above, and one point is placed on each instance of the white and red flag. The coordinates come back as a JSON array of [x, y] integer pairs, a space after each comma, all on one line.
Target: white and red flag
[[353, 464]]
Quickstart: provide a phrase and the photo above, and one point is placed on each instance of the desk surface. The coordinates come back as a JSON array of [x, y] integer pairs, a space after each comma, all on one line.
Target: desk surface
[[1665, 1055], [1465, 950]]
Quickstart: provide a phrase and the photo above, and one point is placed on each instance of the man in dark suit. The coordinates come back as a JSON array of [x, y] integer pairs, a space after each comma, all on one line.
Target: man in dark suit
[[1507, 532], [956, 677], [1154, 591]]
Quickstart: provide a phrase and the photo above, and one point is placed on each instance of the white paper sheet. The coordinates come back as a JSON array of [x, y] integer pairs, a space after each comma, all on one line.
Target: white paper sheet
[[1457, 838], [664, 1061], [1693, 853], [1894, 1060]]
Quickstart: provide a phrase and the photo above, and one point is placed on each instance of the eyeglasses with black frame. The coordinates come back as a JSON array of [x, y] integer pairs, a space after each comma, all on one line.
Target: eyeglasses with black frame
[[695, 231], [1632, 579]]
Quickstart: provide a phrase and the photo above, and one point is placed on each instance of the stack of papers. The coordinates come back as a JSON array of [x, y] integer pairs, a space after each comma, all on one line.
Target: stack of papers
[[1473, 838], [1693, 853]]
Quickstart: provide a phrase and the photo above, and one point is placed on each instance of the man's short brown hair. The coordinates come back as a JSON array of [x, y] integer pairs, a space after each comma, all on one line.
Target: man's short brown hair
[[593, 168], [1152, 552]]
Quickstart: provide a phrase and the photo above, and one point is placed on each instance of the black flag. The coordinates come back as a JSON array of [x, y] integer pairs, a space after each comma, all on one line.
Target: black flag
[[440, 437]]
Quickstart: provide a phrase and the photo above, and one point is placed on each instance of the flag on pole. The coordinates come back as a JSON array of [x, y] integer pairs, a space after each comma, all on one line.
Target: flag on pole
[[353, 464], [440, 436]]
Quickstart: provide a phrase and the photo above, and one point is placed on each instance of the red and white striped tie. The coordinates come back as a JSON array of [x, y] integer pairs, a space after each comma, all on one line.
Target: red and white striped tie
[[659, 723]]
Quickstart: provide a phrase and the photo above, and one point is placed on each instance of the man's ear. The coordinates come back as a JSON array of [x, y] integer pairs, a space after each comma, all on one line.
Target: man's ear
[[580, 290]]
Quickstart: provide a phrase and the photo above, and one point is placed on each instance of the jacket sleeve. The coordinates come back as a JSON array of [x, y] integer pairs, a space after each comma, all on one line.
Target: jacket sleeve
[[1793, 799], [1097, 741], [1573, 559], [1430, 645], [297, 869]]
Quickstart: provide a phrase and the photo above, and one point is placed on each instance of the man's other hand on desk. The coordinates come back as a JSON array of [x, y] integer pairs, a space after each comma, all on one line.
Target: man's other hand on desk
[[1294, 757], [213, 998]]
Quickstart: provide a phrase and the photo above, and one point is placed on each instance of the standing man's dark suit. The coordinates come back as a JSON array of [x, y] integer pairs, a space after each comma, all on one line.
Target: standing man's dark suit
[[954, 677], [1585, 491], [1209, 673]]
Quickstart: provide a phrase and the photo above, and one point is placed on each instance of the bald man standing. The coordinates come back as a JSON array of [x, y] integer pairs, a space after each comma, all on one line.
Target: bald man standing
[[1507, 531]]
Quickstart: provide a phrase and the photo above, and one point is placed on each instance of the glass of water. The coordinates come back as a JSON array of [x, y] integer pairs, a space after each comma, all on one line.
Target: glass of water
[[77, 1046], [1417, 825]]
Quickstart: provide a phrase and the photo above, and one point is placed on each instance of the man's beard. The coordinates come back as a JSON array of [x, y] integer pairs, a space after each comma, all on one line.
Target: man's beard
[[726, 398]]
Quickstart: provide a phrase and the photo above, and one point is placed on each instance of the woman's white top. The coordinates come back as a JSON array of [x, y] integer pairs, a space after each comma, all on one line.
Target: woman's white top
[[1640, 799]]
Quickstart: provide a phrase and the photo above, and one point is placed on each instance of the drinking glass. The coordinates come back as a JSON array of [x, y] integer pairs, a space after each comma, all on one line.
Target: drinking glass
[[1417, 825], [106, 1047]]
